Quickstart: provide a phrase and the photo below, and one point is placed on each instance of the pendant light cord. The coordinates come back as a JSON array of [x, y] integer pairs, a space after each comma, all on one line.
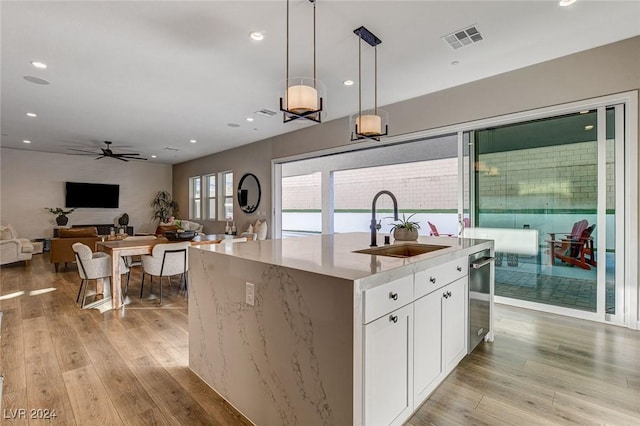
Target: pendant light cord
[[314, 44], [359, 79], [375, 80], [286, 82]]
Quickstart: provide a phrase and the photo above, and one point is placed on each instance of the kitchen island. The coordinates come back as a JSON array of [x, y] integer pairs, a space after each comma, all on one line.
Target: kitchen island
[[305, 331]]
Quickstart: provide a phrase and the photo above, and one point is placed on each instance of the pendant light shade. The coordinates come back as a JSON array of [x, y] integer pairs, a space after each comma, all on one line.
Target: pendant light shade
[[372, 123], [303, 95], [302, 98]]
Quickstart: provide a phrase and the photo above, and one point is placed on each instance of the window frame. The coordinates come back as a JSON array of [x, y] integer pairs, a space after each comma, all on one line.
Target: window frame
[[193, 199], [211, 213]]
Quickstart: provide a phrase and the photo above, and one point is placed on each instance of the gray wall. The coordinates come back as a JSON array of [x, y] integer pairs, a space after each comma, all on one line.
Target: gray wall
[[601, 71], [605, 70], [32, 180], [254, 158]]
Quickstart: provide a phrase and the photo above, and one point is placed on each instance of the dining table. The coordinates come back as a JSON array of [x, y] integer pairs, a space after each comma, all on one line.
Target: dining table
[[134, 247]]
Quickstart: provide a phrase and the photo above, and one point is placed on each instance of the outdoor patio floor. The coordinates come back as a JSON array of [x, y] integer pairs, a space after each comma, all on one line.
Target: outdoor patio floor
[[559, 285]]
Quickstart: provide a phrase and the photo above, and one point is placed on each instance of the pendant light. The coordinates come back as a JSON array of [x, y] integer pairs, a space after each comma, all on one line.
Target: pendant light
[[303, 95], [371, 123]]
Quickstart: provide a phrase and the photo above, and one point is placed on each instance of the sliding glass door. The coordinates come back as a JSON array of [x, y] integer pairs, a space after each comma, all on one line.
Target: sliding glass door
[[562, 178]]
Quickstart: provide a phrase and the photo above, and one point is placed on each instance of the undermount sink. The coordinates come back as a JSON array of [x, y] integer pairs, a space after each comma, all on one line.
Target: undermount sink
[[402, 250]]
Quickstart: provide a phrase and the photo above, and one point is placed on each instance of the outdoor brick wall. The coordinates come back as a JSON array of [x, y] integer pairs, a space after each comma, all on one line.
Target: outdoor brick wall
[[421, 185], [302, 192], [558, 177]]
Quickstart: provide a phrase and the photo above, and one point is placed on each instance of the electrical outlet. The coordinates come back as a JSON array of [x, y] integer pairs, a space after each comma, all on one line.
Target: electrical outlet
[[249, 294]]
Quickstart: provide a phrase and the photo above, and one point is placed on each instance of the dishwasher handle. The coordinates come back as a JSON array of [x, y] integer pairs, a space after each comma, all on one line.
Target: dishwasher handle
[[482, 262]]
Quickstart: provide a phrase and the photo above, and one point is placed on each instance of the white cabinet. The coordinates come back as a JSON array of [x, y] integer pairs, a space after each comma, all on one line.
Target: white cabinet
[[386, 298], [388, 362], [440, 336], [427, 345], [415, 333], [454, 323]]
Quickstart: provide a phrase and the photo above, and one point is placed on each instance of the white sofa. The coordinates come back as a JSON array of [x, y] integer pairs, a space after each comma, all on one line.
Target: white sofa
[[185, 225], [13, 248]]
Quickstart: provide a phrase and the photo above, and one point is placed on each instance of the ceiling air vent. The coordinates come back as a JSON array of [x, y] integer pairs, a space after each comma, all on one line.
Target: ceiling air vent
[[266, 112], [169, 148], [463, 37]]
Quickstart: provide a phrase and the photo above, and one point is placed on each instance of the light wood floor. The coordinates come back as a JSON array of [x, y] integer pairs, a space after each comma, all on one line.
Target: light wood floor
[[130, 367]]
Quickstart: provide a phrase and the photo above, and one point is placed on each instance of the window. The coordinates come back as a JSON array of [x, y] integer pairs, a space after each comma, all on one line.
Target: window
[[301, 205], [211, 196], [227, 182], [210, 184], [195, 197]]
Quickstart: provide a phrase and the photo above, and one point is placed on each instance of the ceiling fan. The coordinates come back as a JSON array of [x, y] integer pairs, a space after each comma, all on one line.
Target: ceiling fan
[[107, 152]]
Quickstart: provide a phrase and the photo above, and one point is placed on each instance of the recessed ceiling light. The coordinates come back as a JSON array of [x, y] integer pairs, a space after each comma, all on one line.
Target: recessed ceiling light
[[249, 119], [32, 114], [565, 3], [26, 141], [154, 156], [586, 111], [193, 141], [36, 80], [256, 35], [39, 64], [588, 127], [348, 82]]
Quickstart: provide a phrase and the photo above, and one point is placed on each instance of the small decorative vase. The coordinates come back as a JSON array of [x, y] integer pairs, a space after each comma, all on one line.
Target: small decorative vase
[[123, 220], [404, 234], [62, 220]]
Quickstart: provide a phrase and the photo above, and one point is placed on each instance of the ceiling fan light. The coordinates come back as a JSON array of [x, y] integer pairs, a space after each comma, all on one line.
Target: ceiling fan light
[[302, 98], [369, 125]]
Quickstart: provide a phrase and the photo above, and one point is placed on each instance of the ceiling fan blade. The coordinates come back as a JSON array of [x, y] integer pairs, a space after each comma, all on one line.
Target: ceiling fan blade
[[121, 159], [125, 154], [98, 158], [82, 150]]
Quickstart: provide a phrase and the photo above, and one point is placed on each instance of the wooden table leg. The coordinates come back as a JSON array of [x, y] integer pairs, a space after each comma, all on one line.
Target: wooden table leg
[[116, 291]]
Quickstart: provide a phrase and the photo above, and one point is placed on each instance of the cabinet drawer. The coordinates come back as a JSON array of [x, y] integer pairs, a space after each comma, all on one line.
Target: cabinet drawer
[[436, 277], [387, 297]]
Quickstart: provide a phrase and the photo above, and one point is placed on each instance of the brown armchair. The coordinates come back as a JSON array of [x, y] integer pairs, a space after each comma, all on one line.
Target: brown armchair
[[61, 247], [576, 249]]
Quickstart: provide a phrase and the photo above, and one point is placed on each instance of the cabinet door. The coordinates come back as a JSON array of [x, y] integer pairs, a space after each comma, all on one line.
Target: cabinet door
[[454, 322], [388, 365], [427, 345]]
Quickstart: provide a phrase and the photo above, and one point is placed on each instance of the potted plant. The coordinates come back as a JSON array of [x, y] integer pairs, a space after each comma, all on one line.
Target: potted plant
[[163, 206], [61, 214], [404, 229]]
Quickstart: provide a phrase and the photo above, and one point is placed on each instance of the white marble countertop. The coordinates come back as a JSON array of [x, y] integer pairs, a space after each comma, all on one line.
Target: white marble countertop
[[332, 255]]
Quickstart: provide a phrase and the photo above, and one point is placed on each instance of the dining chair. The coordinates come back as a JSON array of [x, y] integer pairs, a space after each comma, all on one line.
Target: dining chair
[[132, 261], [93, 266], [166, 260]]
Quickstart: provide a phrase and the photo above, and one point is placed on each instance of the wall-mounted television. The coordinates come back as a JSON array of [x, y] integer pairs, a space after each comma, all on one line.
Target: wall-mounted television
[[92, 195]]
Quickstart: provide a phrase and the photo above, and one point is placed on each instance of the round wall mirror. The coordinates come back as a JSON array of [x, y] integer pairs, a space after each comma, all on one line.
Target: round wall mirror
[[249, 193]]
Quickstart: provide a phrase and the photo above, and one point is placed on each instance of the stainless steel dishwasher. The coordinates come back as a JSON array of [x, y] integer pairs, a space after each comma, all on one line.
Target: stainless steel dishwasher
[[479, 296]]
